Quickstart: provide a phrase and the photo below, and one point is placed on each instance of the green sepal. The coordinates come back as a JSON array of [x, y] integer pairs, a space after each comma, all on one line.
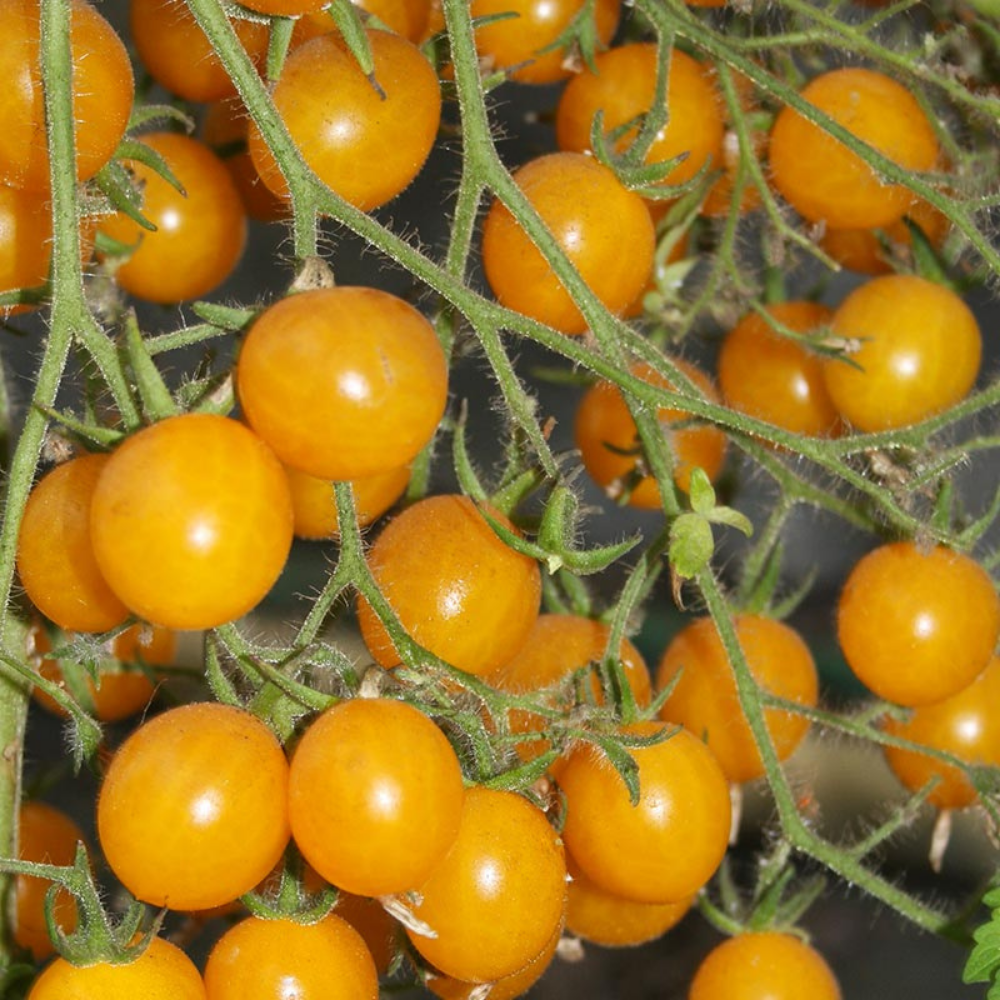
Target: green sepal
[[224, 317], [691, 545], [144, 114]]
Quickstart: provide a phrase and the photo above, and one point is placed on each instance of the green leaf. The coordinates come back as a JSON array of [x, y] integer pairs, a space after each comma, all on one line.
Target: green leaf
[[701, 492], [691, 545], [224, 317], [731, 518], [983, 963]]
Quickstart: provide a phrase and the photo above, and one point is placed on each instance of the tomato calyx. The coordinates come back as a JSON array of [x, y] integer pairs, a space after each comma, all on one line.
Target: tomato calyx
[[293, 893]]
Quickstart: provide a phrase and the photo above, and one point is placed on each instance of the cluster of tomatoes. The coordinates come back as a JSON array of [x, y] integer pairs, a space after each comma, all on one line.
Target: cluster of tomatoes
[[506, 772]]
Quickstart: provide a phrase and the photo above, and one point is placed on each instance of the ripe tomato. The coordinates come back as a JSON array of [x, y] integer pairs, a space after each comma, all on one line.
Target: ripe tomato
[[25, 242], [55, 557], [622, 85], [822, 179], [458, 590], [372, 921], [178, 55], [161, 972], [705, 701], [200, 233], [915, 626], [364, 144], [204, 501], [47, 835], [965, 725], [919, 352], [521, 40], [343, 382], [369, 776], [192, 812], [103, 89], [766, 965], [601, 226], [409, 18], [498, 896], [668, 846], [775, 378], [609, 441], [267, 959]]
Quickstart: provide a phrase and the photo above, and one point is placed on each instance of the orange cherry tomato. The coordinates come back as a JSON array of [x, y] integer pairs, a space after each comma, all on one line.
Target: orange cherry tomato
[[343, 382], [204, 501], [609, 441], [822, 179], [267, 959], [965, 725], [666, 847], [200, 233], [457, 589], [49, 836], [498, 897], [25, 242], [773, 377], [611, 248], [55, 557], [409, 18], [704, 699], [918, 353], [103, 89], [373, 922], [375, 796], [766, 965], [917, 627], [366, 144], [192, 812]]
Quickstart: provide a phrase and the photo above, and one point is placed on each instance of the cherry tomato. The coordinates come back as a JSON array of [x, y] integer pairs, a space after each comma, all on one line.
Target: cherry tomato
[[179, 56], [457, 589], [666, 847], [49, 836], [917, 626], [409, 18], [161, 972], [204, 501], [509, 43], [766, 965], [366, 144], [375, 796], [373, 922], [965, 725], [609, 441], [103, 89], [55, 557], [773, 377], [267, 959], [343, 382], [200, 233], [601, 226], [25, 242], [622, 86], [192, 812], [919, 349], [498, 896], [704, 699], [821, 178]]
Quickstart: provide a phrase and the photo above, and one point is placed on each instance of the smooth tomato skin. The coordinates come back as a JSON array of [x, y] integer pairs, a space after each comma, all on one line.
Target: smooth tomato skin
[[506, 44], [103, 89], [193, 809], [919, 352], [622, 86], [375, 796], [200, 233], [205, 501], [604, 428], [365, 147], [457, 589], [965, 725], [45, 834], [25, 242], [55, 557], [343, 382], [601, 226], [766, 965], [704, 699], [916, 627], [161, 972], [498, 896], [775, 378], [821, 178], [276, 959], [667, 847]]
